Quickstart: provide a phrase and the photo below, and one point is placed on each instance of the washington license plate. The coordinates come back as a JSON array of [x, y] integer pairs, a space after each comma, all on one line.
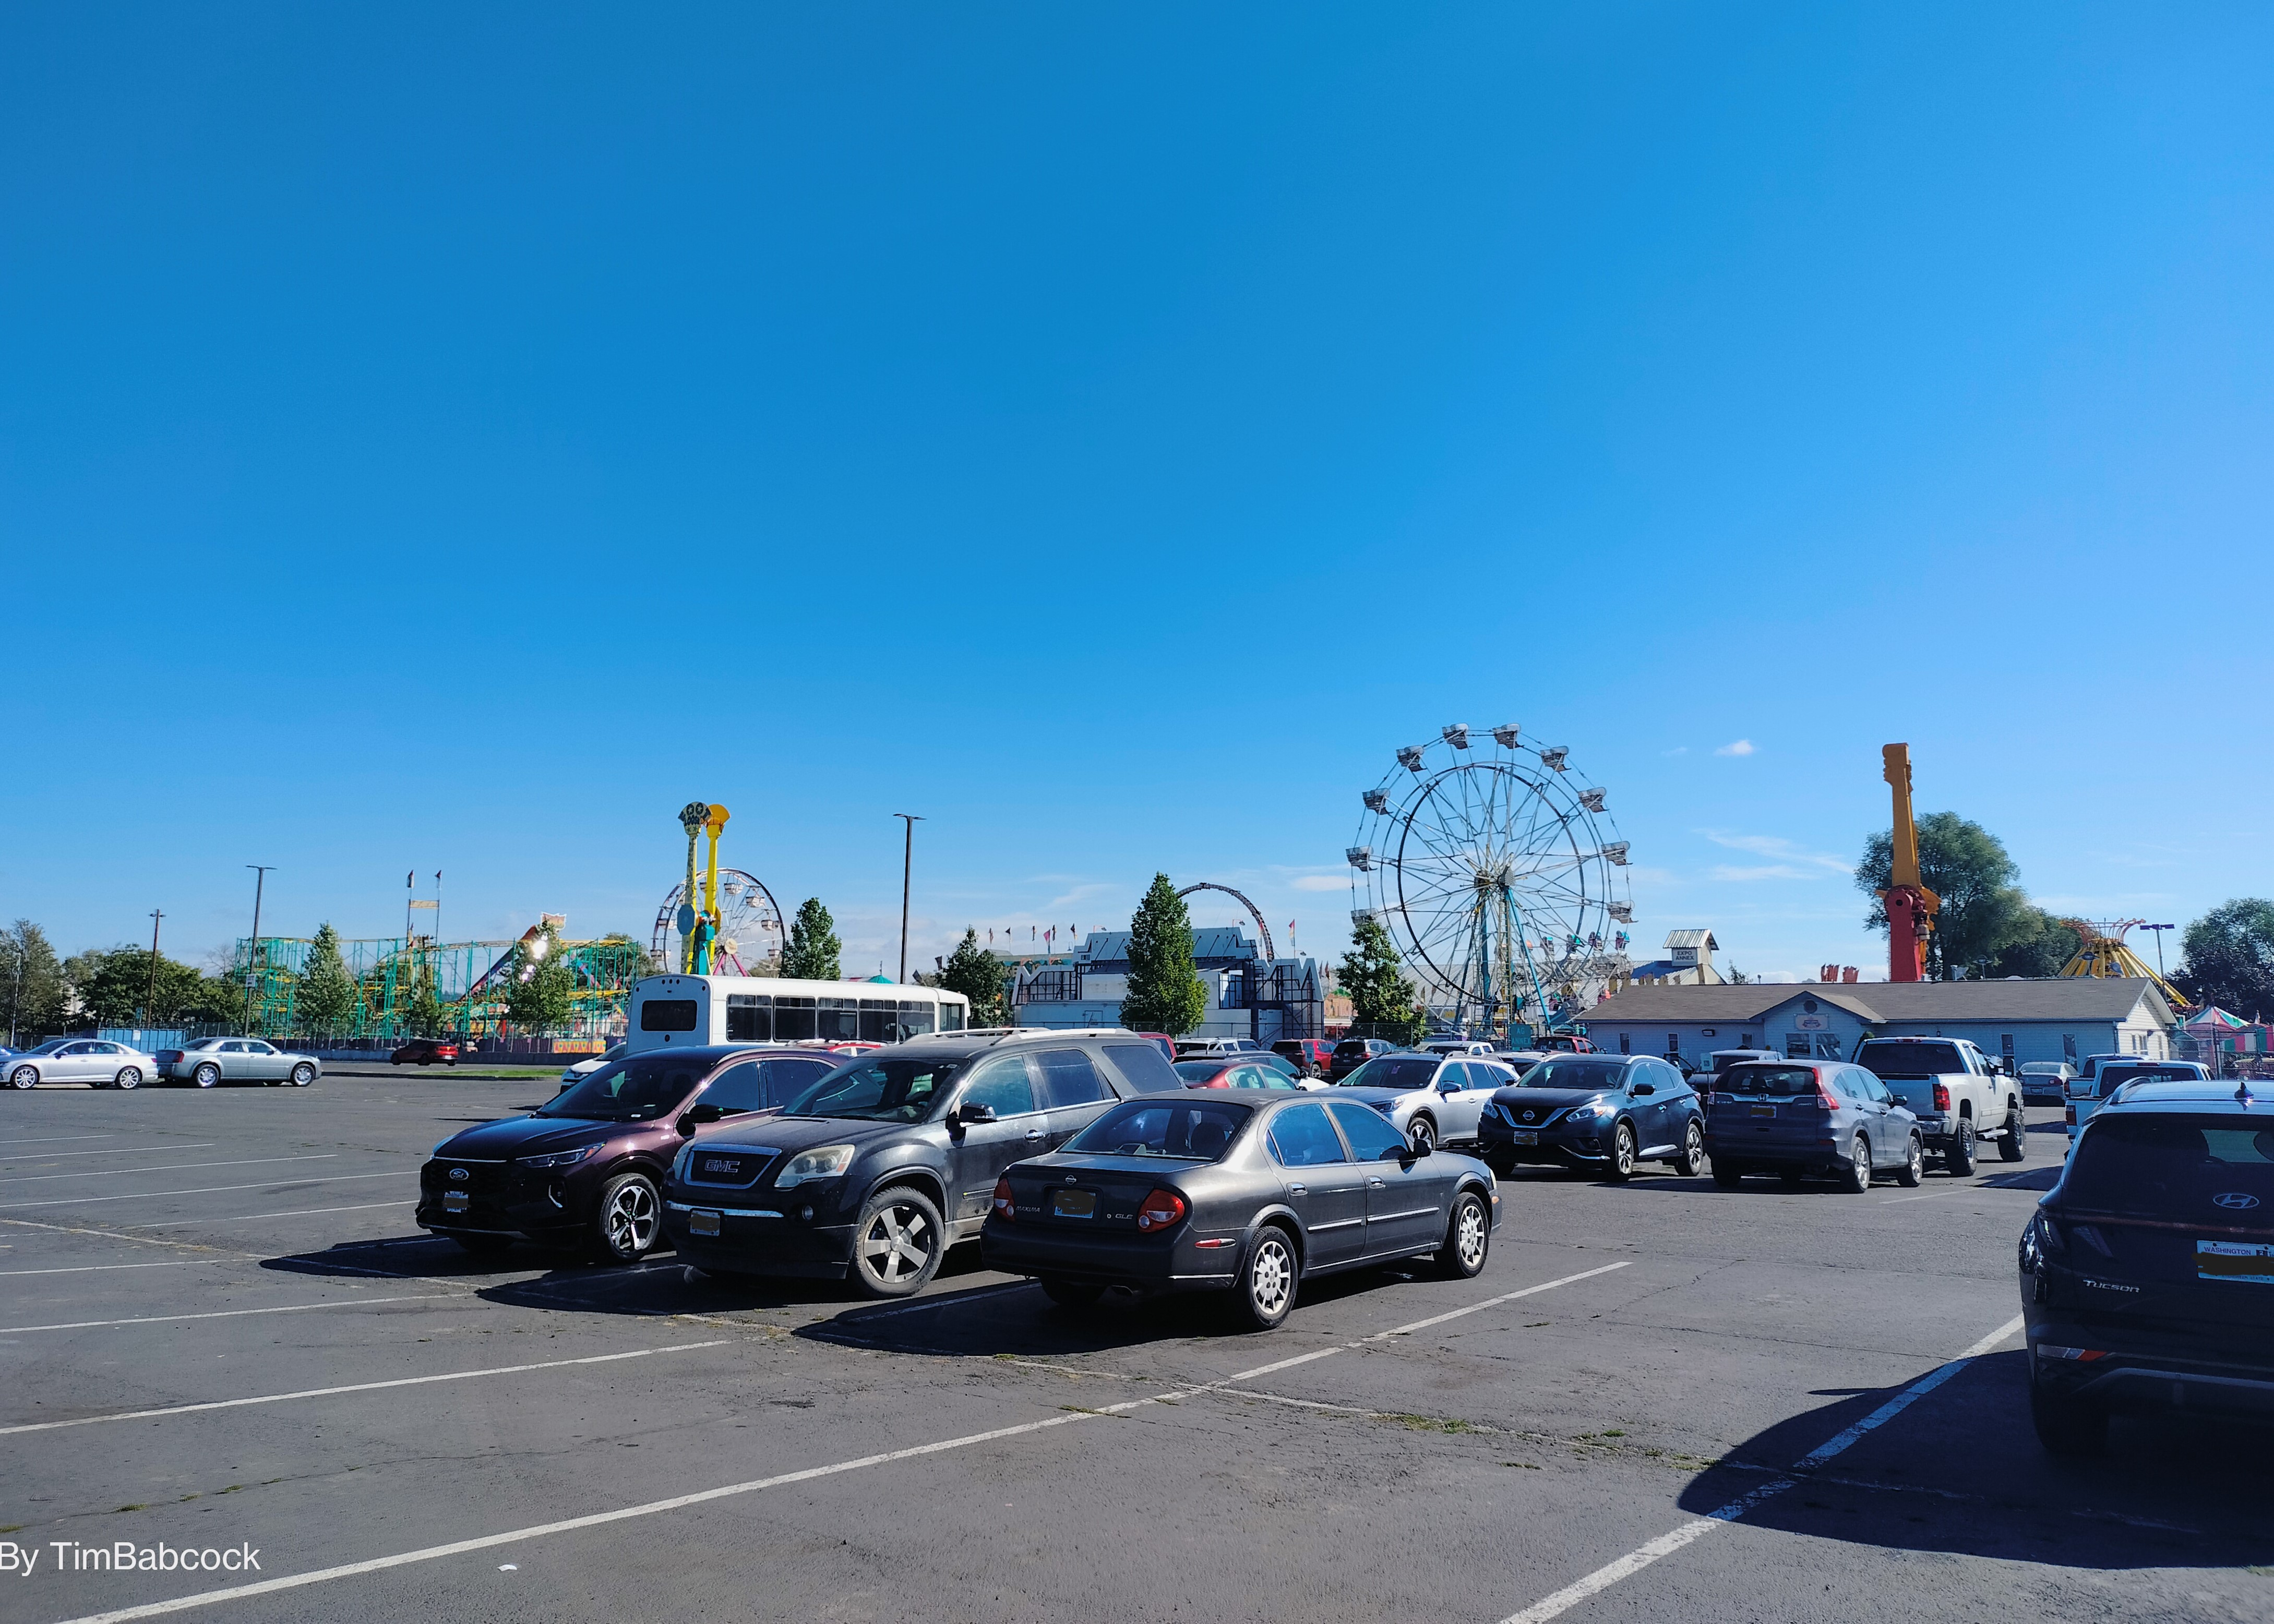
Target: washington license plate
[[1074, 1203], [2241, 1260], [701, 1221]]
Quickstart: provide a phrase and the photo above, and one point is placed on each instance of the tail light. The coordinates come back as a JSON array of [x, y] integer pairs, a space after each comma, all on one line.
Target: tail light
[[2070, 1115], [1005, 1208], [1162, 1209], [1824, 1096], [1942, 1096]]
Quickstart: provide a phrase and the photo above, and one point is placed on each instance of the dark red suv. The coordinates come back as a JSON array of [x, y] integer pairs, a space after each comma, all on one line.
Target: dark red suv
[[1311, 1056]]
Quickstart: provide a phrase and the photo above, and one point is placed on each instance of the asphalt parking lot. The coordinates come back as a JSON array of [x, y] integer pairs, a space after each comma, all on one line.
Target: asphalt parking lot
[[1659, 1400]]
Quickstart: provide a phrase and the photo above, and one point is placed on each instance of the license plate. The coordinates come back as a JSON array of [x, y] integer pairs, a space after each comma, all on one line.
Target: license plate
[[701, 1221], [1524, 1136], [1763, 1110], [456, 1201], [2239, 1260], [1074, 1203]]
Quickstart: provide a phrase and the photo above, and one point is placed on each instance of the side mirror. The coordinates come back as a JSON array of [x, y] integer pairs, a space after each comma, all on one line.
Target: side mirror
[[696, 1117], [1643, 1088], [972, 1111], [1415, 1153]]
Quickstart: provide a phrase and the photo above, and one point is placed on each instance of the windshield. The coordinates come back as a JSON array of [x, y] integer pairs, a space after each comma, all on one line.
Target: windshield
[[1198, 1070], [49, 1046], [1393, 1071], [1575, 1071], [630, 1090], [1885, 1060], [2197, 1170], [2112, 1076], [1182, 1132], [871, 1090]]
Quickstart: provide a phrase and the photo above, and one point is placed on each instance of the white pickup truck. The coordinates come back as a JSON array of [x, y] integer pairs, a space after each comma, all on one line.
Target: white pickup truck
[[1956, 1094]]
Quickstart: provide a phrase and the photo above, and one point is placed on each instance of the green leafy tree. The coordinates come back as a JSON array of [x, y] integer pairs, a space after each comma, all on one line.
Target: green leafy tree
[[32, 985], [1381, 999], [2230, 958], [1984, 912], [116, 988], [977, 974], [1736, 977], [2039, 952], [811, 952], [325, 998], [1165, 993], [540, 986]]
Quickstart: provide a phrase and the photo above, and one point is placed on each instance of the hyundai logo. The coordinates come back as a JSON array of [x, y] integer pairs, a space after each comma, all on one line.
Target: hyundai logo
[[458, 1173], [2234, 1201]]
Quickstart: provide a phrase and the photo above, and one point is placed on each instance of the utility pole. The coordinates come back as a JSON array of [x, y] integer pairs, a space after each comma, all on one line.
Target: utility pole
[[907, 863], [260, 873], [2159, 931], [16, 1004], [150, 1000]]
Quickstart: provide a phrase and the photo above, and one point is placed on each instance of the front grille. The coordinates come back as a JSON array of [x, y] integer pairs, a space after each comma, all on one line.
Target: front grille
[[733, 1168], [483, 1180]]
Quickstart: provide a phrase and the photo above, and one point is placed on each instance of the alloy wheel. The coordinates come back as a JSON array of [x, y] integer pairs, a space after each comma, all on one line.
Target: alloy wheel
[[207, 1076], [1272, 1277], [631, 1218], [1421, 1135], [23, 1077], [1623, 1151], [129, 1076], [898, 1243], [1470, 1239]]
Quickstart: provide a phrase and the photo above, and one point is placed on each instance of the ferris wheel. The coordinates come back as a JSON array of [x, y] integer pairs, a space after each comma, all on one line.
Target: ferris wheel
[[749, 925], [1498, 872]]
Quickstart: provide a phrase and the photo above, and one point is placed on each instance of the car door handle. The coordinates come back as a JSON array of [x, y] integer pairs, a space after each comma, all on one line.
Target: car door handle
[[1376, 1183], [1034, 1133], [1299, 1190]]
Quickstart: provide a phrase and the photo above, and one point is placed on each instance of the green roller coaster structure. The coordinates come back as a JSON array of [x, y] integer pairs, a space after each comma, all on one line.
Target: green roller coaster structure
[[422, 987]]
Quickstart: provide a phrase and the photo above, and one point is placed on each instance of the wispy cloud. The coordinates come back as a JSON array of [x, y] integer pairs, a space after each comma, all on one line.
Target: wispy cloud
[[1738, 746], [1783, 851], [1766, 871], [1318, 881], [1079, 893], [1679, 749]]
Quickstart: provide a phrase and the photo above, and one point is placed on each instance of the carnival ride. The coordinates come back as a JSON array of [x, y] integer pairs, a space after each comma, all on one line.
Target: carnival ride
[[738, 928], [1498, 872], [2101, 950], [1253, 913], [402, 987], [1910, 905]]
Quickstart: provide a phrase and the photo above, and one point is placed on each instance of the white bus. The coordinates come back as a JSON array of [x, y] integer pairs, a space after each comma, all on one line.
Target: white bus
[[698, 1010]]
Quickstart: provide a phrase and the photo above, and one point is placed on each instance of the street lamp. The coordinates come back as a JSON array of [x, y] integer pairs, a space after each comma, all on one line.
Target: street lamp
[[150, 1000], [908, 862], [2159, 931], [260, 873]]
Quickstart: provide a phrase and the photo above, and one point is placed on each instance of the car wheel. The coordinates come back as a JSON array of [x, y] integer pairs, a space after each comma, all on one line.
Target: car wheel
[[1692, 1161], [1727, 1178], [1468, 1238], [1422, 1135], [1622, 1154], [1958, 1160], [2016, 1145], [23, 1077], [1858, 1181], [626, 1229], [485, 1245], [1071, 1293], [129, 1076], [898, 1243], [302, 1075], [1266, 1293], [1913, 1168], [205, 1076], [2065, 1426]]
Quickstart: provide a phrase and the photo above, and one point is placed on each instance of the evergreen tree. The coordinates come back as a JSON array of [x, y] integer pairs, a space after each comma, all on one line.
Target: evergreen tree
[[35, 1000], [326, 996], [811, 953], [540, 987], [1380, 999], [1165, 993], [977, 974]]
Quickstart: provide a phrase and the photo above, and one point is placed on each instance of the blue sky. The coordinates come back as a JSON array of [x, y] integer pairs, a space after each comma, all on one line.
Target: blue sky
[[456, 440]]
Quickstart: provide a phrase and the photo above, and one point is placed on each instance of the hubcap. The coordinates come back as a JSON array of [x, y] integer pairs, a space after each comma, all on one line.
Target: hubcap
[[631, 1219], [897, 1243], [1625, 1152], [1272, 1277], [1862, 1157], [1473, 1236], [207, 1077], [1420, 1134]]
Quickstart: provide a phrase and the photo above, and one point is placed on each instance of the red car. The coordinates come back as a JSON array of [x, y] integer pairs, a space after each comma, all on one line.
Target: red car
[[1168, 1044], [1232, 1071], [1568, 1043], [1311, 1056], [425, 1051]]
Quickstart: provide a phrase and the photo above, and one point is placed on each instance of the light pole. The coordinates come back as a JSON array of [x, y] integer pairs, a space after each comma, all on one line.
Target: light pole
[[907, 863], [15, 1002], [2159, 931], [260, 873], [150, 999]]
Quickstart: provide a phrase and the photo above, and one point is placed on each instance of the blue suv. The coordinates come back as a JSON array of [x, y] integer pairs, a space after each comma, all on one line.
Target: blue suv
[[1803, 1118]]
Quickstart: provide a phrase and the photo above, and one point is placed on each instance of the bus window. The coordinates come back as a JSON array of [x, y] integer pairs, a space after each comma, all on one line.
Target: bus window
[[837, 1021], [668, 1015], [793, 1020], [950, 1017], [917, 1017], [750, 1018], [876, 1020]]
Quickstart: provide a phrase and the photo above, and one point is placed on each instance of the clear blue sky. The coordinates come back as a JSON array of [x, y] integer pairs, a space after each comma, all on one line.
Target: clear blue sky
[[454, 439]]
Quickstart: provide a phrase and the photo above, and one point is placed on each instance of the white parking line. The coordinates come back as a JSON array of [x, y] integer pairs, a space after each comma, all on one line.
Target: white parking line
[[97, 1268], [1666, 1543], [171, 1167], [348, 1570], [228, 1314], [304, 1212], [942, 1300], [361, 1387], [122, 1150], [60, 1139], [152, 1195]]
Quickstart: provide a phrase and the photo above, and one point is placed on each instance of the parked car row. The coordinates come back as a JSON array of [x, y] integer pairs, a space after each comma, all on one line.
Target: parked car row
[[100, 1062]]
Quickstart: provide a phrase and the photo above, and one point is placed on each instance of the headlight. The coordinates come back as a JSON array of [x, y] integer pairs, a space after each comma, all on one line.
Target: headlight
[[1600, 1107], [559, 1158], [827, 1161]]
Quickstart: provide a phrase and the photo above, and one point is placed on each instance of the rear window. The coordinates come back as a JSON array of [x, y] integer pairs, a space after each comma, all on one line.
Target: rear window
[[1883, 1059], [1394, 1071], [1144, 1066], [1774, 1082], [2193, 1170], [1181, 1131], [668, 1015], [2112, 1076], [1351, 1048]]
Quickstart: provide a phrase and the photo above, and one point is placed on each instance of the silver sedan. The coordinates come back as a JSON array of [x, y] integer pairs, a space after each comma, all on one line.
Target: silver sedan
[[212, 1061], [96, 1062]]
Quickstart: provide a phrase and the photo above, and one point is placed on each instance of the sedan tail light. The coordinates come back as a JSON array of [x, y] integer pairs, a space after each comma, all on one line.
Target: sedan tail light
[[1942, 1096], [1005, 1208], [1162, 1209]]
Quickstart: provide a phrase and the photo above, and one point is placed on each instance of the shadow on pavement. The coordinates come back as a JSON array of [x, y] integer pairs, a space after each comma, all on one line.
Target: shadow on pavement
[[1961, 1472]]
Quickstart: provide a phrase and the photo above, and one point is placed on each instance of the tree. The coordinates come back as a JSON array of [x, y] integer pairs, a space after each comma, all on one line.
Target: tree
[[1165, 993], [116, 988], [2230, 958], [811, 953], [538, 988], [977, 974], [32, 985], [2039, 952], [1381, 1000], [1983, 910], [325, 998], [1736, 977]]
